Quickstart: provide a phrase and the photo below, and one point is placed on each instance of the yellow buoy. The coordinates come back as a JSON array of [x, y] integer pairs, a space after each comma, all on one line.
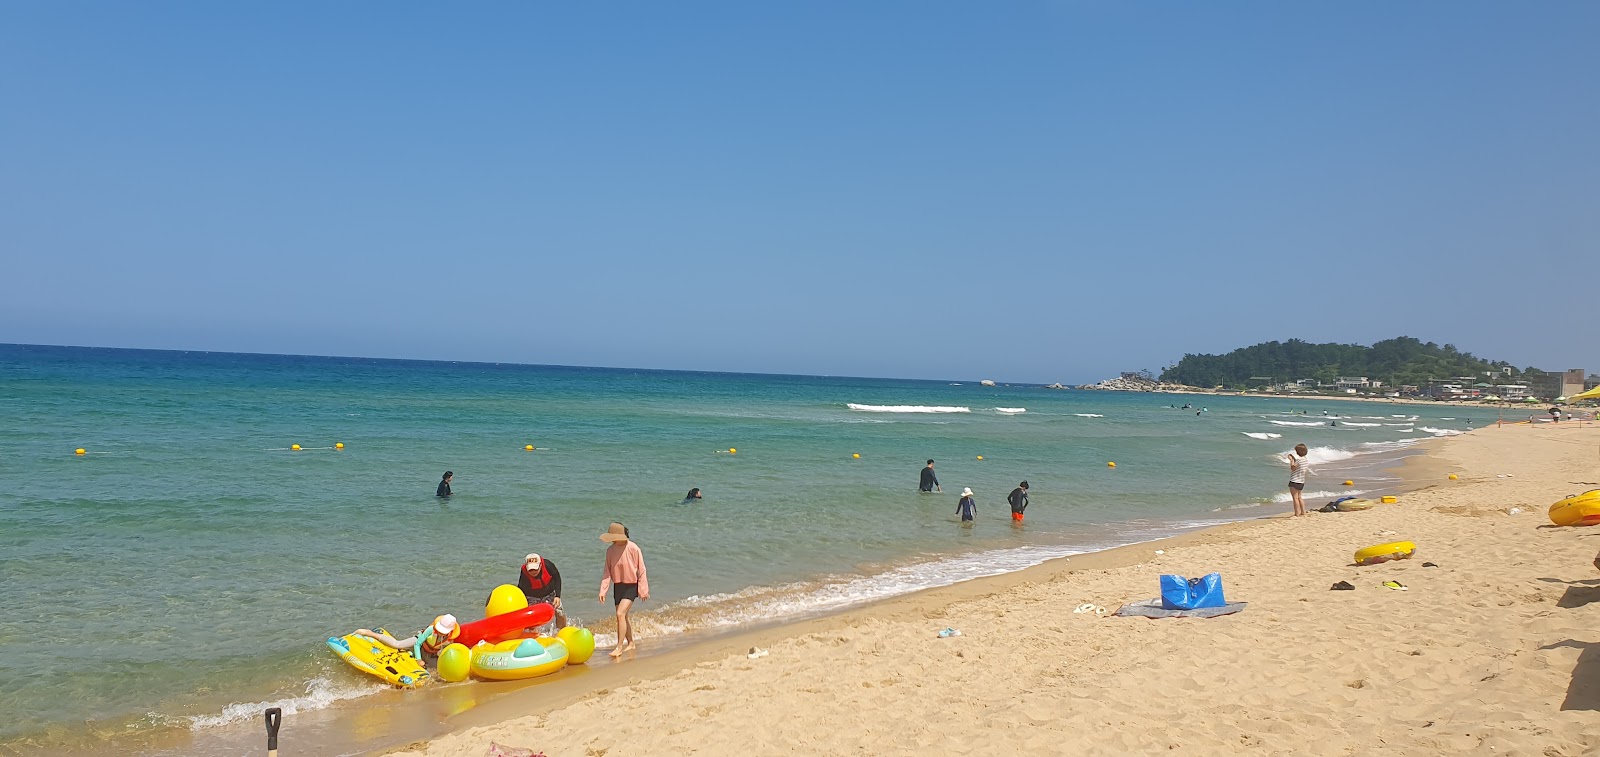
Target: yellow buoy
[[980, 457], [1111, 465], [1452, 477], [856, 455], [732, 451], [455, 662], [580, 644], [505, 598], [295, 447], [80, 451], [528, 447], [338, 445], [1349, 483]]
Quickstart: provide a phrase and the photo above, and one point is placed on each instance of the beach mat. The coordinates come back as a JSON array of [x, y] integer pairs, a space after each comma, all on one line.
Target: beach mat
[[1151, 608]]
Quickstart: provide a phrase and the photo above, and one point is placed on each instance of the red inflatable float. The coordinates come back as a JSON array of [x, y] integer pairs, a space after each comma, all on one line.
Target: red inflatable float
[[511, 625]]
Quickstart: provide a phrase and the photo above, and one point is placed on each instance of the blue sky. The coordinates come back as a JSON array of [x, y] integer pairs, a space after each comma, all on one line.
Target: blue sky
[[1028, 191]]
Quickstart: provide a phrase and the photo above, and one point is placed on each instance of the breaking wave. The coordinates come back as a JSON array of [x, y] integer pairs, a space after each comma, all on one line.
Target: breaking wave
[[907, 408]]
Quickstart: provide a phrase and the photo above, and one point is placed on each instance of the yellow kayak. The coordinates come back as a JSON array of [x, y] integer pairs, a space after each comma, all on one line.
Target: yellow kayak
[[1395, 550], [395, 667], [1578, 510]]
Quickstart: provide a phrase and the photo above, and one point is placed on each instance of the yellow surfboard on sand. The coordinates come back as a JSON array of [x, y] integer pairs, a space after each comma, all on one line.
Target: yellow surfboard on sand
[[370, 656]]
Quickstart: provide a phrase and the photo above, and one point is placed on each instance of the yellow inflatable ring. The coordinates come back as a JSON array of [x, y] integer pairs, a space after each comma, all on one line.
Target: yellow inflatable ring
[[1579, 510], [1395, 550]]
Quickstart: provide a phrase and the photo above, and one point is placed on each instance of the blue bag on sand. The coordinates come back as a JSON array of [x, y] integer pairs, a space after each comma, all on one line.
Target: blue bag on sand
[[1179, 593]]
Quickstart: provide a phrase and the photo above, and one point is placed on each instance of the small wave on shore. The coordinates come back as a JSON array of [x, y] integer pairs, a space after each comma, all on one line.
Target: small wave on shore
[[1262, 435], [1297, 423], [320, 692], [1282, 497], [1362, 425], [907, 408], [1011, 410], [1319, 455], [1089, 415], [1441, 431]]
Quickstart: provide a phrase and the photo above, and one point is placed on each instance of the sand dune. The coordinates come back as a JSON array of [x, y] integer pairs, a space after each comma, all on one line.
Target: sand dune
[[1496, 650]]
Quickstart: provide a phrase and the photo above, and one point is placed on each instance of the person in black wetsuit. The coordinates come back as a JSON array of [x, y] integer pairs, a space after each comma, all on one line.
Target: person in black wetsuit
[[692, 496], [541, 582], [444, 485], [1019, 501], [929, 481]]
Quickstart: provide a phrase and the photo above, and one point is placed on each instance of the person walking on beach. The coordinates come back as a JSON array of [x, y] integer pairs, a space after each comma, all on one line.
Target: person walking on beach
[[1019, 501], [929, 481], [1298, 468], [967, 508], [541, 582], [444, 485], [625, 575]]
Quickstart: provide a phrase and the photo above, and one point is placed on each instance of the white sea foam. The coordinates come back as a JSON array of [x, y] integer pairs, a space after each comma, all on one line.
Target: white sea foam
[[1446, 419], [1319, 455], [1089, 415], [1297, 423], [320, 693], [1262, 435], [1441, 431], [1363, 425], [907, 408], [1387, 446], [1282, 497], [1011, 410], [1399, 424]]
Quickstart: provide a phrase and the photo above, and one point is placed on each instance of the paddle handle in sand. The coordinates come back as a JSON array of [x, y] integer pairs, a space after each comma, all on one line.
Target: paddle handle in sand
[[274, 719]]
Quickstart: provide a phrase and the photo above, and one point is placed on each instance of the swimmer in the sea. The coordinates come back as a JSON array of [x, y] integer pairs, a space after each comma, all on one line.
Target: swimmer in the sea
[[693, 495]]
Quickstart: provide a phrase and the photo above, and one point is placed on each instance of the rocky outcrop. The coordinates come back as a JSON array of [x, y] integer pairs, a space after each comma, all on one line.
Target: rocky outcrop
[[1136, 384]]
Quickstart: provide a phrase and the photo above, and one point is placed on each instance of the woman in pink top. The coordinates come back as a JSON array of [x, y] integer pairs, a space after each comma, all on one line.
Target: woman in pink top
[[624, 573]]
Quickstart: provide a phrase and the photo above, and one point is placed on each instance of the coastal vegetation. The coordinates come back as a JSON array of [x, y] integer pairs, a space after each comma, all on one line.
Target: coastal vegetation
[[1395, 362]]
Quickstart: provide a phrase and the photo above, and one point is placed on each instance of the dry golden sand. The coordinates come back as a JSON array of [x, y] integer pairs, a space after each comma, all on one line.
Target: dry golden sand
[[1496, 650]]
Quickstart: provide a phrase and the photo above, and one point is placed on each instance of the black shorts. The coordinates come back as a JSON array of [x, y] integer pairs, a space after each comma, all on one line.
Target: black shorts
[[620, 592], [1296, 485]]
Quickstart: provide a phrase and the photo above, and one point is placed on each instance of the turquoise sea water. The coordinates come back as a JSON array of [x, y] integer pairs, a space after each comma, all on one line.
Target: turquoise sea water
[[187, 568]]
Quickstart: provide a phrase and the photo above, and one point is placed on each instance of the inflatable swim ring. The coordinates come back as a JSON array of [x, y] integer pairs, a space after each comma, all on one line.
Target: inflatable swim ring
[[511, 625], [1352, 504], [1577, 510], [1395, 550], [519, 658], [395, 667]]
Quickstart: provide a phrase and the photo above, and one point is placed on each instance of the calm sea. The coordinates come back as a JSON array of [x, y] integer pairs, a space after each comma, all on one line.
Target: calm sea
[[187, 568]]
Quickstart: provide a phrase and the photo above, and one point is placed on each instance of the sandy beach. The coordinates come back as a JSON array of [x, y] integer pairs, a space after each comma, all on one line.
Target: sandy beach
[[1495, 649]]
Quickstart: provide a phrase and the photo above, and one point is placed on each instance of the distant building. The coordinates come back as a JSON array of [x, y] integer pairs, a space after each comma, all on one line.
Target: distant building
[[1352, 382], [1548, 385], [1512, 392]]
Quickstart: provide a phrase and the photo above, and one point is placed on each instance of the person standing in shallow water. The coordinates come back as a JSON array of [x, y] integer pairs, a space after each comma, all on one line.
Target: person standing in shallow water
[[444, 485], [1299, 468], [625, 575], [1018, 499], [967, 508], [929, 481]]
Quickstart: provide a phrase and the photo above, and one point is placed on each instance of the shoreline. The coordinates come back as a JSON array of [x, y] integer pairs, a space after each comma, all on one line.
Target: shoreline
[[1421, 475], [1536, 407]]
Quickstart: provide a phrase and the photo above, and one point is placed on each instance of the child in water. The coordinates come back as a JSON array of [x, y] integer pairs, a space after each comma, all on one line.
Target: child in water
[[967, 507]]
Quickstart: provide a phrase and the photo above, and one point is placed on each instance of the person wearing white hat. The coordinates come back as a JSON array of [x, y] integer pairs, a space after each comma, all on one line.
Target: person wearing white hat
[[541, 582], [423, 644], [967, 508]]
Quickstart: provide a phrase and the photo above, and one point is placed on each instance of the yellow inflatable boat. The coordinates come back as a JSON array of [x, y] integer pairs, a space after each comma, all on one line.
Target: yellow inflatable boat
[[1395, 550], [519, 658], [395, 667], [1577, 510]]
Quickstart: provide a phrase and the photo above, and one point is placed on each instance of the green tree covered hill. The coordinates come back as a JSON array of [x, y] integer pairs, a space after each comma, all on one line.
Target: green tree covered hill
[[1402, 360]]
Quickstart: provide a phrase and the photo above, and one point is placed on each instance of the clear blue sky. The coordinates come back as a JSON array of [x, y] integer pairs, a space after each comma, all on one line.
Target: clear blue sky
[[1024, 191]]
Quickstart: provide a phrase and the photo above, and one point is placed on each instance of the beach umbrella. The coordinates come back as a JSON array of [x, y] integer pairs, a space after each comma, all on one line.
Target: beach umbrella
[[1592, 394]]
